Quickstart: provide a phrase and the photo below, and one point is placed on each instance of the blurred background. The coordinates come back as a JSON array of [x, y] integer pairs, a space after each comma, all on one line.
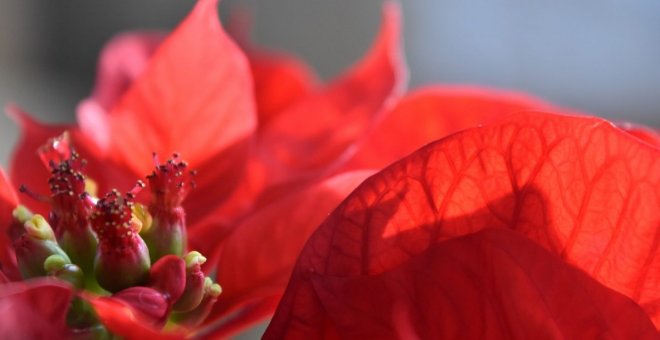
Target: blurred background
[[599, 56]]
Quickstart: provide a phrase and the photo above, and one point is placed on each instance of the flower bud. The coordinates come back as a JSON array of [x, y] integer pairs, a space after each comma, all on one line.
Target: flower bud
[[122, 258], [195, 282], [196, 316], [59, 267], [71, 204], [35, 246], [16, 228], [169, 184]]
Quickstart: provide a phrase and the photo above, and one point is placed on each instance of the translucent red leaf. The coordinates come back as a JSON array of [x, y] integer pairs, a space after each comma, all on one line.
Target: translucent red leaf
[[35, 309], [256, 260], [578, 187], [279, 81], [493, 284], [430, 113], [318, 129], [196, 90], [122, 60]]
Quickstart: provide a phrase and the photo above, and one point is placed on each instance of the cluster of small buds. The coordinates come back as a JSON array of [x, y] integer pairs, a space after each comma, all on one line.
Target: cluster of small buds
[[112, 244]]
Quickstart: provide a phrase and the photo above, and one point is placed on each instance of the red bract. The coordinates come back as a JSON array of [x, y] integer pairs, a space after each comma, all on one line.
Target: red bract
[[274, 150], [193, 93], [578, 199]]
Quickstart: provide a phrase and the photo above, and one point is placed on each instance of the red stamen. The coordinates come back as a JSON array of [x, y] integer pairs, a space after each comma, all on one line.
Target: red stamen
[[35, 196]]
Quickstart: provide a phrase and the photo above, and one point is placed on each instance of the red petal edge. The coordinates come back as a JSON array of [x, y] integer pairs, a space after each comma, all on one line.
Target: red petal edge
[[25, 167], [279, 79], [8, 201], [268, 243], [121, 319], [430, 113], [316, 131], [578, 187], [122, 60]]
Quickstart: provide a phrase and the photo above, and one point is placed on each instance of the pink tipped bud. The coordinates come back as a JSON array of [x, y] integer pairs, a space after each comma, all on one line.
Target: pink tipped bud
[[122, 259]]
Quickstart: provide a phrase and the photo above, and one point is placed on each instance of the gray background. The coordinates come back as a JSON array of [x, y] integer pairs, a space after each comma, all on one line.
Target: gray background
[[595, 55]]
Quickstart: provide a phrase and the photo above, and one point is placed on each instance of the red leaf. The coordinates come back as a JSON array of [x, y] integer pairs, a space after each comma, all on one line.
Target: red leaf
[[320, 128], [121, 319], [257, 258], [35, 309], [195, 91], [279, 79], [430, 113], [26, 168], [494, 283], [122, 60], [644, 133], [579, 187], [8, 201]]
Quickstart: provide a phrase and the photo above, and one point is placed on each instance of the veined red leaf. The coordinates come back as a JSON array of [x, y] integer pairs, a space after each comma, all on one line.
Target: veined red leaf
[[493, 284], [577, 186]]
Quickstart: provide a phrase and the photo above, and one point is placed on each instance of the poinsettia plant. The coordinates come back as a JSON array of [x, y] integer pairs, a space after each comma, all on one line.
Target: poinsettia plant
[[178, 203]]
